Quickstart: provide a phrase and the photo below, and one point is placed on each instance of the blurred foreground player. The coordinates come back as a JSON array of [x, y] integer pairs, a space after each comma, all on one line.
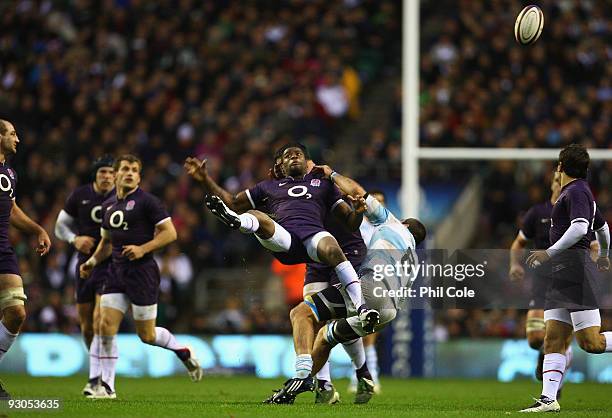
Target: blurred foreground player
[[571, 303], [78, 223], [134, 225], [12, 296]]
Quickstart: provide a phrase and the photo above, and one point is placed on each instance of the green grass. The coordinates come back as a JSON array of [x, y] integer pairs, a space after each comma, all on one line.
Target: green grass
[[241, 397]]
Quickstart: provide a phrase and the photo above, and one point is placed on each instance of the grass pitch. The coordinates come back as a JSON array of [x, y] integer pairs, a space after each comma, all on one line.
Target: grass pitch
[[242, 396]]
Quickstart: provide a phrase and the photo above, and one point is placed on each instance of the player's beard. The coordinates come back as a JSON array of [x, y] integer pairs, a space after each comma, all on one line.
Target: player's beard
[[296, 170]]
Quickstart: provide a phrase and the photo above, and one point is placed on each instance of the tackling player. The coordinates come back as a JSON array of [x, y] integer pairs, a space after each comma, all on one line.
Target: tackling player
[[79, 224], [134, 225], [571, 301], [12, 296], [392, 241]]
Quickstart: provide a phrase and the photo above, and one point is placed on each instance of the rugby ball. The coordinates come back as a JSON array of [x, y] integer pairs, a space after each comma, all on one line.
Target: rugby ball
[[528, 25]]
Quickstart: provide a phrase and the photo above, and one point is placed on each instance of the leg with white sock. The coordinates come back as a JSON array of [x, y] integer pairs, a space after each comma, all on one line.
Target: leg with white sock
[[110, 319], [144, 319], [95, 369], [7, 338], [557, 336], [324, 248]]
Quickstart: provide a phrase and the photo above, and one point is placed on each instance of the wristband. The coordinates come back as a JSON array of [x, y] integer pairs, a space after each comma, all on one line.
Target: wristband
[[92, 261], [331, 176]]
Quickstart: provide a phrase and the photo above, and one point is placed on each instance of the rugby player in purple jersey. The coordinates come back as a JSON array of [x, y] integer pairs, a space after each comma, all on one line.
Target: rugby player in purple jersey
[[299, 202], [134, 225], [571, 302], [12, 296], [78, 224]]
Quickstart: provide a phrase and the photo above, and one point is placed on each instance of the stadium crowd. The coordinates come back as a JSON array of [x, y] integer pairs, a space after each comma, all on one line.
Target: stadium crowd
[[230, 81], [224, 80]]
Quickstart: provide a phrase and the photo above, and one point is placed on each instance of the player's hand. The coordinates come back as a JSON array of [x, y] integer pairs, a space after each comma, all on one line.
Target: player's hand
[[325, 170], [84, 244], [358, 203], [603, 263], [44, 243], [536, 258], [133, 252], [85, 270], [196, 168], [517, 273]]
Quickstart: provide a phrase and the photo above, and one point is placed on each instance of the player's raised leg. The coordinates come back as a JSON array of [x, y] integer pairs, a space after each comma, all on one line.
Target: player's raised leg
[[144, 319], [12, 306]]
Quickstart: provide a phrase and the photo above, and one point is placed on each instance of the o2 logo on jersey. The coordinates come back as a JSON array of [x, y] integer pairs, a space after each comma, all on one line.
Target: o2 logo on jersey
[[116, 220], [6, 185], [299, 191], [95, 214]]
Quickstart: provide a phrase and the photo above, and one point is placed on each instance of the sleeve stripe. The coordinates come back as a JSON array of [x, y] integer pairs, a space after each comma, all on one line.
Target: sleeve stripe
[[580, 220], [337, 203], [163, 220], [248, 193]]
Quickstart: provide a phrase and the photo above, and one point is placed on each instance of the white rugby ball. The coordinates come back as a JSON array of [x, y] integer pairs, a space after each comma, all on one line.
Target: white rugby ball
[[528, 25]]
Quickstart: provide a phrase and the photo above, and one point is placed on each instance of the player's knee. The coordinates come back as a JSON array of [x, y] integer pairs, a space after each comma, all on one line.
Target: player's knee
[[554, 343], [14, 317], [590, 345], [330, 252], [301, 312], [147, 336], [107, 326], [535, 340]]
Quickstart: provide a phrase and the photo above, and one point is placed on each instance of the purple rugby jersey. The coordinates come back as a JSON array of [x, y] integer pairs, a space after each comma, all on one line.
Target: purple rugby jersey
[[8, 187], [298, 204], [132, 221], [85, 206]]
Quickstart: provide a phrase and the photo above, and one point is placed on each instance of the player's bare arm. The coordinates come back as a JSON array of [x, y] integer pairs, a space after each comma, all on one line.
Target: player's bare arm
[[103, 251], [197, 169], [24, 223], [345, 184], [165, 233], [517, 272]]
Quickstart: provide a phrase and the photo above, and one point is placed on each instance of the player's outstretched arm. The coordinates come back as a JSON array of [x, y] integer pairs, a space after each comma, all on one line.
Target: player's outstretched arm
[[24, 223], [165, 233], [197, 170], [103, 251], [517, 272]]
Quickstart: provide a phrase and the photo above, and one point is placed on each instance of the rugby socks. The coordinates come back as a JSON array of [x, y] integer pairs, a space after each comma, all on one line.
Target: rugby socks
[[94, 358], [248, 223], [350, 281], [324, 377], [356, 352], [553, 371], [303, 365], [165, 339], [108, 360], [608, 336], [372, 361], [7, 339]]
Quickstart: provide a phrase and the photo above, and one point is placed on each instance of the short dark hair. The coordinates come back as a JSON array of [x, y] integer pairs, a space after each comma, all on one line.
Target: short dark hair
[[3, 126], [129, 158], [416, 228], [279, 152], [378, 191], [574, 161]]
